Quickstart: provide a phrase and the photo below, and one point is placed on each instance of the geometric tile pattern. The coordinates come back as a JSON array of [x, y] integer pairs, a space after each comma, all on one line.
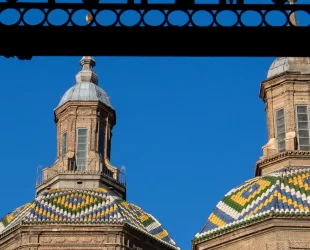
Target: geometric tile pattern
[[282, 191], [85, 206], [13, 215]]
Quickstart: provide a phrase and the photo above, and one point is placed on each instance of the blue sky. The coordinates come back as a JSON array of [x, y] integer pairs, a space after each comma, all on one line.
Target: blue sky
[[188, 129]]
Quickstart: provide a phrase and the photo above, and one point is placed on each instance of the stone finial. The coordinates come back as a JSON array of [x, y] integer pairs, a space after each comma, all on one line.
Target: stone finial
[[87, 62], [87, 74], [293, 18]]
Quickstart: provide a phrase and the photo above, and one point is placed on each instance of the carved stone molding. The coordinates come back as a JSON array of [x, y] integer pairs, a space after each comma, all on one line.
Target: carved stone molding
[[283, 155], [74, 239], [301, 245]]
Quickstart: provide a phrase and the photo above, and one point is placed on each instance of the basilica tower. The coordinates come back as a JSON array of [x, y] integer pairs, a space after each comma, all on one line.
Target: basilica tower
[[286, 94], [272, 210], [81, 199], [84, 119]]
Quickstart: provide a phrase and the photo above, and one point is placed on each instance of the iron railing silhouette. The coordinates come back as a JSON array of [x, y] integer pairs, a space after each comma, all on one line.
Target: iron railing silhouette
[[145, 29]]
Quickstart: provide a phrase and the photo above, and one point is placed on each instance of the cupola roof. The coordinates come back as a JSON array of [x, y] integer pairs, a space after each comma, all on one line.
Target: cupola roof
[[86, 87], [283, 193], [85, 91], [85, 206], [289, 64], [281, 65]]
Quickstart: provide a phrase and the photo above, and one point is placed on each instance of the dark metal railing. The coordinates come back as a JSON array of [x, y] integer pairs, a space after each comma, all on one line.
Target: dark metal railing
[[88, 167], [129, 29], [138, 15]]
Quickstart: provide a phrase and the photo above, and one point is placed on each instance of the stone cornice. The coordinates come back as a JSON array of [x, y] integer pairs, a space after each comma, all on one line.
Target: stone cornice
[[288, 75], [278, 158], [82, 103], [286, 92], [88, 224], [283, 155], [77, 104], [281, 78]]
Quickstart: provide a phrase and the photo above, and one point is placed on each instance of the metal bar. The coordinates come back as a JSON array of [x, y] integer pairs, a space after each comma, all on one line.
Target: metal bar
[[102, 6], [155, 42], [144, 39]]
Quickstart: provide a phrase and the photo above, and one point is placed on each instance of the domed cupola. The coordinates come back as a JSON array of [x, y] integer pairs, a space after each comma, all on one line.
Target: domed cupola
[[252, 215], [98, 210], [272, 210], [300, 65], [84, 120], [86, 87], [81, 199], [285, 93]]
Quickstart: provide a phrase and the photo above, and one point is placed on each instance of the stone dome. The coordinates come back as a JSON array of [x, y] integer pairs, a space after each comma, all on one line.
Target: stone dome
[[85, 91], [85, 206], [283, 193], [292, 64], [86, 87]]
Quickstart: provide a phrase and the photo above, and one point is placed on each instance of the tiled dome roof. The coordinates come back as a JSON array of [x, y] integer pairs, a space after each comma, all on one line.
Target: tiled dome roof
[[282, 193], [85, 206]]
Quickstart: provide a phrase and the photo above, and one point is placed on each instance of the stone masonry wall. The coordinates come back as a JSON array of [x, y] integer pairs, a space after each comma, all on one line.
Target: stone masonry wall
[[60, 237]]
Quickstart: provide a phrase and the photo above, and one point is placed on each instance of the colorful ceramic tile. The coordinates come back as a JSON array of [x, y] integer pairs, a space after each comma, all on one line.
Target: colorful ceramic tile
[[286, 190], [80, 206]]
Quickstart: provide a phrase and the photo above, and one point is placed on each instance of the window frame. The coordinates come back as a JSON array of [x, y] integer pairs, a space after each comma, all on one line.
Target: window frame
[[277, 128], [64, 152], [84, 168], [101, 142], [298, 129]]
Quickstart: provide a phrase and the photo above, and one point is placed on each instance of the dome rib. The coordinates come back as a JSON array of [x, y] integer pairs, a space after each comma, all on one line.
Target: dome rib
[[85, 91], [289, 64], [282, 193], [85, 206]]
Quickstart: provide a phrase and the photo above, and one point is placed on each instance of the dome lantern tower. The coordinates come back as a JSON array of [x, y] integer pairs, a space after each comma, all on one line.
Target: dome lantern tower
[[84, 119], [271, 210], [81, 199], [286, 94]]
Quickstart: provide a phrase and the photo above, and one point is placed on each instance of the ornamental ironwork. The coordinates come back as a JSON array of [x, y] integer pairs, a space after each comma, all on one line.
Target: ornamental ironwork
[[140, 28]]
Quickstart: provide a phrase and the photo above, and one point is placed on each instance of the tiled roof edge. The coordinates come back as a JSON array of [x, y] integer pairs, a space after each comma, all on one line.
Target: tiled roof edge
[[245, 222], [4, 233], [152, 236]]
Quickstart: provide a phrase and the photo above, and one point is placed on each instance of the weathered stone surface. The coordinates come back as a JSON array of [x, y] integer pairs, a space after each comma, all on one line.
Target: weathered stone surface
[[64, 237], [271, 234]]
